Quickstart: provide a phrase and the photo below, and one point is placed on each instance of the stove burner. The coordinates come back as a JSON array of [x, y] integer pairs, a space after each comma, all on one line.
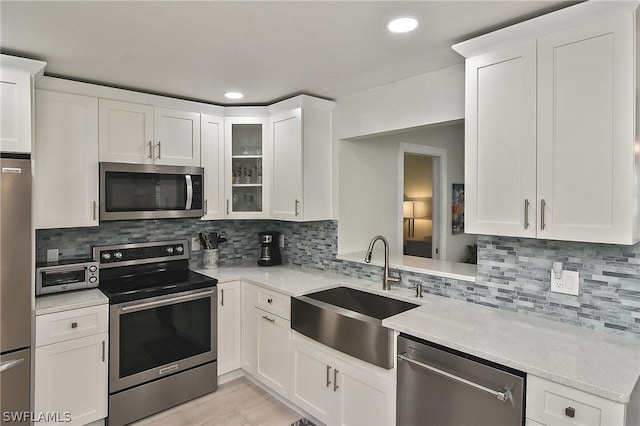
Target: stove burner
[[142, 270]]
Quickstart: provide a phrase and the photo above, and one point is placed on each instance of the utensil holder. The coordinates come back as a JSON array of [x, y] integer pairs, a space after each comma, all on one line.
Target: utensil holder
[[210, 258]]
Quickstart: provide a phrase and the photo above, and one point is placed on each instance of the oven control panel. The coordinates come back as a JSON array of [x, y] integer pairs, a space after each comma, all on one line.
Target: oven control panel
[[140, 253]]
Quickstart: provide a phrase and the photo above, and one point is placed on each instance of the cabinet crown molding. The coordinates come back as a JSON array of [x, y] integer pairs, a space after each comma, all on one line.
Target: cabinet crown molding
[[31, 66], [542, 25]]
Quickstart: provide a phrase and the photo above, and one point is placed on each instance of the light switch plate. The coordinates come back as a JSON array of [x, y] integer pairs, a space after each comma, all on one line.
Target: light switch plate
[[52, 255], [568, 284], [195, 244]]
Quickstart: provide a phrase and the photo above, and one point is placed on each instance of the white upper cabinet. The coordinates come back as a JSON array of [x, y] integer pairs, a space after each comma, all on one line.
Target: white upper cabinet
[[586, 96], [17, 76], [500, 142], [212, 128], [177, 137], [137, 133], [65, 160], [301, 157], [551, 127], [247, 169]]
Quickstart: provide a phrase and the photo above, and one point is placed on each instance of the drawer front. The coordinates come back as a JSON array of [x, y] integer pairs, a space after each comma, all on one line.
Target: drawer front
[[555, 404], [274, 302], [71, 324]]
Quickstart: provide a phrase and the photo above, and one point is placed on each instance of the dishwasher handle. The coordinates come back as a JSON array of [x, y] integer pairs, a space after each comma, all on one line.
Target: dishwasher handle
[[502, 396]]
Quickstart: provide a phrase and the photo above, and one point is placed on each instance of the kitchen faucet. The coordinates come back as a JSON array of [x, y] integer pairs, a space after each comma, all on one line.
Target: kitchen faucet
[[386, 279]]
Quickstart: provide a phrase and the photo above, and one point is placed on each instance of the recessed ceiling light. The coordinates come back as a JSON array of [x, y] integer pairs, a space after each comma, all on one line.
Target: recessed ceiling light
[[233, 95], [402, 25]]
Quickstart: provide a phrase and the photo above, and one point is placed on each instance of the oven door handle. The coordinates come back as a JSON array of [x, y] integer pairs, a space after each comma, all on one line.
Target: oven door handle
[[170, 301]]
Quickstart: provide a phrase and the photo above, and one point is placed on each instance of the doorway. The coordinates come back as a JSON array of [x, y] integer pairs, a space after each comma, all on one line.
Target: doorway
[[422, 222]]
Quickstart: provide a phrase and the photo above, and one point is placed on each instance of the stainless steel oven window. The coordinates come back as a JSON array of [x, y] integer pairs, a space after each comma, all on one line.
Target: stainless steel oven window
[[156, 337]]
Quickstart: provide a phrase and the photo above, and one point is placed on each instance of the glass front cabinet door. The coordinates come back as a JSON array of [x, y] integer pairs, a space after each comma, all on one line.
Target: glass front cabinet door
[[246, 168]]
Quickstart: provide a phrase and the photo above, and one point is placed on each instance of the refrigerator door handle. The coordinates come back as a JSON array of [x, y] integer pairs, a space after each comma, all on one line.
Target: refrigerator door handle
[[5, 366]]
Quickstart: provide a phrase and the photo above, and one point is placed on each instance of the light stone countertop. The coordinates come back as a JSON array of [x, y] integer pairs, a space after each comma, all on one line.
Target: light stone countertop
[[600, 363], [59, 302], [421, 265]]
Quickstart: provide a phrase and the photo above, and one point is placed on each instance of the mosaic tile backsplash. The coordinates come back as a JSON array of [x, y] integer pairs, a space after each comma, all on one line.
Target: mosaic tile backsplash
[[513, 273]]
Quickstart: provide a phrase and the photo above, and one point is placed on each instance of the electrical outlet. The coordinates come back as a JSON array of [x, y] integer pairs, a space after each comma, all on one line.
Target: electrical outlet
[[52, 255], [195, 244], [569, 283]]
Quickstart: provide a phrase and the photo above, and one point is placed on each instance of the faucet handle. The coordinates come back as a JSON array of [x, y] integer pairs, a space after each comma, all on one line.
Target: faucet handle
[[419, 290], [394, 279]]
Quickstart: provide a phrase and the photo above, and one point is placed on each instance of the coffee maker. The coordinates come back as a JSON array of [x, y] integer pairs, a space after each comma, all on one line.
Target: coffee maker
[[269, 249]]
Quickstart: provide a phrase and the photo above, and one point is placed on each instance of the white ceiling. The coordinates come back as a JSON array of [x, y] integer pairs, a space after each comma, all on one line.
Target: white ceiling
[[268, 50]]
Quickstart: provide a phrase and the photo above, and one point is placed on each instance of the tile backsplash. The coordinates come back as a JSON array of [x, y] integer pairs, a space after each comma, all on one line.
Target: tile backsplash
[[513, 273]]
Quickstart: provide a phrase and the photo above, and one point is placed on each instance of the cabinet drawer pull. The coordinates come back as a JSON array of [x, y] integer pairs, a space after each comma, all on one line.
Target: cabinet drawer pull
[[269, 319], [526, 214], [328, 375], [269, 300], [570, 412], [74, 325], [335, 380]]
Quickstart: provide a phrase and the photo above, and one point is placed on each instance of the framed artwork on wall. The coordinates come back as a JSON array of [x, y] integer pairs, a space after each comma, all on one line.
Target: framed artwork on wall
[[457, 209]]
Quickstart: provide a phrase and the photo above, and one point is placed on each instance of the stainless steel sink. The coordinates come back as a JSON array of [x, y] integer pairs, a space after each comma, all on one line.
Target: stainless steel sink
[[350, 321]]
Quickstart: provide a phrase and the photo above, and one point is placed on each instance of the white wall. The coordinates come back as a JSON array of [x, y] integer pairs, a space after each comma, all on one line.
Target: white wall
[[431, 98], [370, 187]]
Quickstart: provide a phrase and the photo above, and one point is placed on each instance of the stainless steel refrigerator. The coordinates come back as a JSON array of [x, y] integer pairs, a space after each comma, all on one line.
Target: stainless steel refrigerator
[[15, 288]]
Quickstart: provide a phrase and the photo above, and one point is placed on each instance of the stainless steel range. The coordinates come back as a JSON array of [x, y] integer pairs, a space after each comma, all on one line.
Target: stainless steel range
[[163, 325]]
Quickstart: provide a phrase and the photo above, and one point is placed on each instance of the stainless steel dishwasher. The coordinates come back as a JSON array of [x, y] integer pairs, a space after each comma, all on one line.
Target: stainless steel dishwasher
[[441, 387]]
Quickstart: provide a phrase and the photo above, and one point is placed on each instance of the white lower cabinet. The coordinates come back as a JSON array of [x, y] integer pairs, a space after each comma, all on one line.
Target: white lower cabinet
[[553, 404], [273, 335], [229, 313], [248, 328], [338, 391], [71, 365]]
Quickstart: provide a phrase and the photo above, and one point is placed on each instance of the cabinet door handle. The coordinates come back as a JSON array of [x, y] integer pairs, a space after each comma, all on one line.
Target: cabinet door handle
[[543, 204], [227, 206], [570, 412], [150, 150], [526, 214], [297, 211], [335, 380], [269, 300], [158, 157], [95, 208], [328, 375], [205, 207], [74, 325], [221, 297], [269, 319], [103, 350]]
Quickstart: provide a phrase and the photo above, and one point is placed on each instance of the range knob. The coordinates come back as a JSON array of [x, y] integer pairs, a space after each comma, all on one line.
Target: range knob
[[170, 250], [106, 256], [93, 268], [93, 279], [179, 249], [118, 255]]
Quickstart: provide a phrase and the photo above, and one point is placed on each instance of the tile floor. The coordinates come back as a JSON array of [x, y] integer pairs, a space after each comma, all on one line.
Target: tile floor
[[238, 402]]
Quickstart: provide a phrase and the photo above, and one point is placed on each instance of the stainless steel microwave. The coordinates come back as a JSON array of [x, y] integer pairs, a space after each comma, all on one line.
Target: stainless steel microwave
[[66, 275], [148, 191]]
